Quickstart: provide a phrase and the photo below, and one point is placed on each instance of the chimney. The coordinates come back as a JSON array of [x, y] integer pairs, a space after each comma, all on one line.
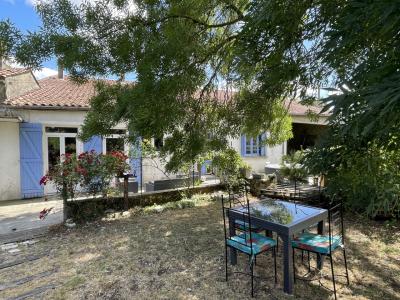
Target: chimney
[[60, 72]]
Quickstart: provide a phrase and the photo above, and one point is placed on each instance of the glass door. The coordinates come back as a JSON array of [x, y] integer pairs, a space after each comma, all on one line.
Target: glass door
[[59, 142]]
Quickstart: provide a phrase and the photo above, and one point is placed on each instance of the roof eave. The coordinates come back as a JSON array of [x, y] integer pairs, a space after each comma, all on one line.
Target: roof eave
[[48, 107]]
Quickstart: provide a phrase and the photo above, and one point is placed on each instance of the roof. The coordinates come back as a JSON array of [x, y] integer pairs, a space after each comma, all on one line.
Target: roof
[[8, 72], [297, 109], [55, 93]]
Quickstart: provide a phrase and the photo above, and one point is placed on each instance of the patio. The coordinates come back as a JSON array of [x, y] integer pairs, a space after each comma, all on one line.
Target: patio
[[179, 254]]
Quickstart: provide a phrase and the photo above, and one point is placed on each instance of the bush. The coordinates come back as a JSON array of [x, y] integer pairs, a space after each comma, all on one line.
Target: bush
[[292, 167], [368, 179], [229, 164], [91, 171]]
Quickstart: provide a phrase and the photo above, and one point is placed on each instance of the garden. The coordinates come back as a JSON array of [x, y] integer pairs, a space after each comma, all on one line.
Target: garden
[[214, 81], [176, 252]]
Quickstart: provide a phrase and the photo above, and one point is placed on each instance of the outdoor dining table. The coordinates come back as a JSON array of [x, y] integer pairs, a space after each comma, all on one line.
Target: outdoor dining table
[[286, 219]]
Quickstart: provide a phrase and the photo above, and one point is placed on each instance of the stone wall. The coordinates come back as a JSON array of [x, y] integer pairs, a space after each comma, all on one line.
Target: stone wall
[[19, 84], [93, 208]]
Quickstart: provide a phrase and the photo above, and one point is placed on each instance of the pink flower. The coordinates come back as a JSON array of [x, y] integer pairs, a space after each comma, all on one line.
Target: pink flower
[[44, 213], [44, 180]]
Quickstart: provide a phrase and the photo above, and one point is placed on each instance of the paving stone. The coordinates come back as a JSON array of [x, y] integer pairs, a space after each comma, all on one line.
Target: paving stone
[[13, 251], [29, 242], [9, 246]]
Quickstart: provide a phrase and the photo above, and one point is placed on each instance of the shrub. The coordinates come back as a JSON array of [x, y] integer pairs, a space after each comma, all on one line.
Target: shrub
[[229, 164], [367, 178], [292, 167], [91, 171]]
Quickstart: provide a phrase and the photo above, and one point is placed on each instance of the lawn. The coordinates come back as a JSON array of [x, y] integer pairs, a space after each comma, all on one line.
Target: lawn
[[179, 254]]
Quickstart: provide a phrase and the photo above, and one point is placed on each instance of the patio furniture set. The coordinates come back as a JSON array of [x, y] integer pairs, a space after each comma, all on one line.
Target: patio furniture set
[[245, 223]]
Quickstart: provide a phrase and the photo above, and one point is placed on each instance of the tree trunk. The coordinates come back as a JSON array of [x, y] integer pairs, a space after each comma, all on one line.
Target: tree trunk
[[64, 195]]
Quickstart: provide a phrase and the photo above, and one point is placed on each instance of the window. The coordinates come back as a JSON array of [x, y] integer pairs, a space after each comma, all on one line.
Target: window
[[114, 144], [253, 146], [115, 141], [60, 141]]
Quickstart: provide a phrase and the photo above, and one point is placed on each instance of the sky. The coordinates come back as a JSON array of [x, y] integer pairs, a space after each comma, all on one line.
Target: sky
[[22, 13]]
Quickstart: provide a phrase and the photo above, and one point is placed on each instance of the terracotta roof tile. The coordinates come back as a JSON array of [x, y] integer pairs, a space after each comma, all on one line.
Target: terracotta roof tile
[[54, 92], [64, 93], [297, 109], [12, 71]]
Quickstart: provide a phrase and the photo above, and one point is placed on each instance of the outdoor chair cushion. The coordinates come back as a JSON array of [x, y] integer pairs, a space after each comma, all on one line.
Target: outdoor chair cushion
[[258, 242], [315, 242], [244, 226]]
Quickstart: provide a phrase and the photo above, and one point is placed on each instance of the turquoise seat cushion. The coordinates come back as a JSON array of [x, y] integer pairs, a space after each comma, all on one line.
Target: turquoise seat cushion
[[258, 243], [315, 242], [244, 226]]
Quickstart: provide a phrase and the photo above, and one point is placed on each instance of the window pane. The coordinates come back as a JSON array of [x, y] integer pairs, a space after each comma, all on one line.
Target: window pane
[[254, 145], [248, 146], [62, 129], [70, 145], [114, 144], [53, 149]]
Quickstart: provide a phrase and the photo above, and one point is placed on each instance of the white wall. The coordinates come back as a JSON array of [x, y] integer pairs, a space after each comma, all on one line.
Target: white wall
[[273, 153], [9, 161], [257, 163]]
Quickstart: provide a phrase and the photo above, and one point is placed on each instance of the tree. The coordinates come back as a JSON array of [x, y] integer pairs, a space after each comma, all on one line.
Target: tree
[[270, 52]]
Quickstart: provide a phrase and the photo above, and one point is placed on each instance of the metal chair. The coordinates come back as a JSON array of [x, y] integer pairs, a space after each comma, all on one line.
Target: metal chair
[[325, 245], [239, 196], [248, 241]]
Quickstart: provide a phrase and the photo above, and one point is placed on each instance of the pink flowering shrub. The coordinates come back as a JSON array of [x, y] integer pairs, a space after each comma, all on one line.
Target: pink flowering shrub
[[91, 171]]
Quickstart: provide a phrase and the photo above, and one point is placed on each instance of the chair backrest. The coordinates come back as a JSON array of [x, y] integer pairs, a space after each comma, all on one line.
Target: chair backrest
[[239, 193], [242, 214], [335, 222]]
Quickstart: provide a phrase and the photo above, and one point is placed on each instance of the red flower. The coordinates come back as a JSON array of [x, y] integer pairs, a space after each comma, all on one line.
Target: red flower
[[82, 155], [44, 180], [45, 212], [81, 170]]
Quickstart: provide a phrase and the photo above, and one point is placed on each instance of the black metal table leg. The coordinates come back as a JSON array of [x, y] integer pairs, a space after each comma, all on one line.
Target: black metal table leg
[[320, 258], [287, 264]]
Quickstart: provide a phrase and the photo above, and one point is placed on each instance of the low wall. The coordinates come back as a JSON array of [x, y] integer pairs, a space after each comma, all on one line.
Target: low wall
[[92, 208]]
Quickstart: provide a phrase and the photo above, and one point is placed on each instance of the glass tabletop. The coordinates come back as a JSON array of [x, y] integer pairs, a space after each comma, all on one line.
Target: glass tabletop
[[282, 212]]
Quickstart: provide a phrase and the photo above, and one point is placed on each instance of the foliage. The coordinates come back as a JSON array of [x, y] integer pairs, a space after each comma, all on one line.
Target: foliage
[[229, 164], [269, 51], [292, 167], [91, 171], [65, 176], [185, 202], [97, 170], [366, 176], [180, 52]]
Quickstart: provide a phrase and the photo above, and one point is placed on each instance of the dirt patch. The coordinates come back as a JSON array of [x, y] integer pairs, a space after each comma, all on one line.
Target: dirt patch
[[179, 254]]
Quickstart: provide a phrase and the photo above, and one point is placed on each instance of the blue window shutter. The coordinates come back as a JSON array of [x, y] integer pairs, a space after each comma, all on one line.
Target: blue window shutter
[[94, 143], [243, 145], [135, 159], [31, 159], [204, 167]]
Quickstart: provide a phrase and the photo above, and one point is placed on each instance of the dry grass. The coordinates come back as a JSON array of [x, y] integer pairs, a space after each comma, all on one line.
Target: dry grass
[[178, 254]]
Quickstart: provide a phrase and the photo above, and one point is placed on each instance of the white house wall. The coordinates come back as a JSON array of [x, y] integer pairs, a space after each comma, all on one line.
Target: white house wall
[[10, 154], [9, 161]]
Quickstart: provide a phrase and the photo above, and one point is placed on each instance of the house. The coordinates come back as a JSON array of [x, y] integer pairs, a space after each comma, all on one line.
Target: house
[[40, 120]]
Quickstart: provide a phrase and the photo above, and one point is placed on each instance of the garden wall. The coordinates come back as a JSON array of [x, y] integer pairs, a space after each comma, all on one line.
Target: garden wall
[[92, 208]]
